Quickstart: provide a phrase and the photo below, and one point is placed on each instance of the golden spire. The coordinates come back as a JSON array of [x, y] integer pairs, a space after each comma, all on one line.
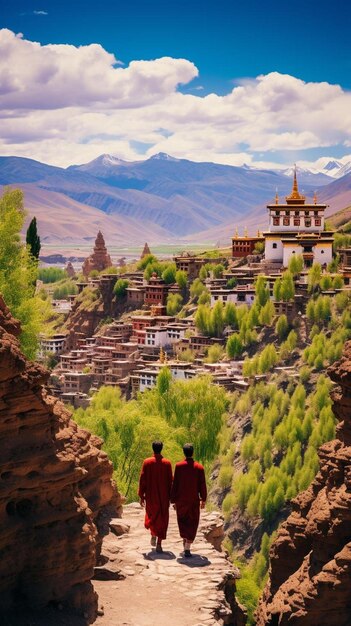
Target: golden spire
[[295, 189], [258, 233], [236, 232], [245, 232], [295, 194], [315, 197], [276, 196]]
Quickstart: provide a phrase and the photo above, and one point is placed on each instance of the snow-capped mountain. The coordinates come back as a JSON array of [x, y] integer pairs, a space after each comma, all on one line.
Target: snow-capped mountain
[[163, 156], [321, 171], [333, 168], [162, 197], [307, 176]]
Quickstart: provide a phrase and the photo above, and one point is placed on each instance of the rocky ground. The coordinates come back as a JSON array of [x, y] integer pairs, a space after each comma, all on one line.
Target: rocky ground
[[138, 587], [164, 588]]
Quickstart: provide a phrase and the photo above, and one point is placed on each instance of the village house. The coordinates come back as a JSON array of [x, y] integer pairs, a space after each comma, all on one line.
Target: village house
[[52, 345], [242, 294], [245, 245], [156, 291], [345, 258]]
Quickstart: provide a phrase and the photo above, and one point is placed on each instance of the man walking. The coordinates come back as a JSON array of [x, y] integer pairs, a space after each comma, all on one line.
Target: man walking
[[189, 492], [154, 492]]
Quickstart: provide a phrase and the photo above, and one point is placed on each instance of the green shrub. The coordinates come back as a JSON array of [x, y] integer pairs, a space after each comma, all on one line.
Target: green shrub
[[51, 274], [120, 288], [225, 476]]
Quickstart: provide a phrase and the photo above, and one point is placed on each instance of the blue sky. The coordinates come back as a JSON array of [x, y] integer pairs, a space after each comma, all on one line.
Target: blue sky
[[226, 40], [229, 43]]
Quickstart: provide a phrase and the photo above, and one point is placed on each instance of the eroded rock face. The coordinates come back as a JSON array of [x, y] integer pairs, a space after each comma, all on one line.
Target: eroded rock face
[[56, 492], [310, 575]]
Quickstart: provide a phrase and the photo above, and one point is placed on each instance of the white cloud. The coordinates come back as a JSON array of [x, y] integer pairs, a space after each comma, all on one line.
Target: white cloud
[[33, 76], [40, 13], [61, 103]]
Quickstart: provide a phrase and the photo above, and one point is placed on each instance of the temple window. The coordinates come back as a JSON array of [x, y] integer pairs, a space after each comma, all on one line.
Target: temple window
[[317, 222], [308, 222], [316, 212], [274, 245], [277, 213], [276, 221], [322, 251], [297, 213], [307, 212], [296, 221], [286, 221]]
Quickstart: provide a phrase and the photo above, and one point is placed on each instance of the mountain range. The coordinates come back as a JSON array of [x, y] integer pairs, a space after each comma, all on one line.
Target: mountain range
[[160, 199]]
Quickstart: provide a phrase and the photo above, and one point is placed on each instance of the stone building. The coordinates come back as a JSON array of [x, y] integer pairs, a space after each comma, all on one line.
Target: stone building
[[297, 228], [243, 246], [156, 291], [100, 259], [345, 257]]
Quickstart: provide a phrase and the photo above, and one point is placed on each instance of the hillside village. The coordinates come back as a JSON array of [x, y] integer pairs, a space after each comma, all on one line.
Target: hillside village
[[121, 329]]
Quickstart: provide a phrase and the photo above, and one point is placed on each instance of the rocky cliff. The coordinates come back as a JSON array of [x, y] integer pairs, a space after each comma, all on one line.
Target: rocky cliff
[[56, 491], [310, 573]]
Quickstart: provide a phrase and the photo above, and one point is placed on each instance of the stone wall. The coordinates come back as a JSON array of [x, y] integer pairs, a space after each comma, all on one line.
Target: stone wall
[[310, 573], [56, 491]]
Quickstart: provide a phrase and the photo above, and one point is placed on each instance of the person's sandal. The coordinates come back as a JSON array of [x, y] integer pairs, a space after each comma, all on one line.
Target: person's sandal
[[159, 549], [187, 553], [153, 541]]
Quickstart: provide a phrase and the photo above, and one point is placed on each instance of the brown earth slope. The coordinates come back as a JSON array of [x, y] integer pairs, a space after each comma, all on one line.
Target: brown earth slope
[[56, 492], [310, 574]]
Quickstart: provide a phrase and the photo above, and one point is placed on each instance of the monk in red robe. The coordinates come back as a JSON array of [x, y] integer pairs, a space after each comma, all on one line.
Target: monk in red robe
[[154, 492], [189, 492]]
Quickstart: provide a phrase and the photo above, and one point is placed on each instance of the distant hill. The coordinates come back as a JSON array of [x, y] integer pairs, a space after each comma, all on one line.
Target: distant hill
[[159, 199], [341, 220]]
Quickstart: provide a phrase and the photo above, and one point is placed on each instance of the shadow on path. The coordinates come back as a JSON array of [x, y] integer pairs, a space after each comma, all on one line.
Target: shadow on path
[[196, 560], [49, 616], [163, 556]]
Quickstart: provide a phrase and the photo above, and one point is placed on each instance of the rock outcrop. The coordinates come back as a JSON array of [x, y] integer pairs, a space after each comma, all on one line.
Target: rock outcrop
[[85, 317], [146, 251], [56, 491], [100, 259], [70, 271], [310, 573]]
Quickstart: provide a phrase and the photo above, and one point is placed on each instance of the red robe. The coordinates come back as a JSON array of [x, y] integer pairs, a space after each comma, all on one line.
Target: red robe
[[155, 487], [189, 486]]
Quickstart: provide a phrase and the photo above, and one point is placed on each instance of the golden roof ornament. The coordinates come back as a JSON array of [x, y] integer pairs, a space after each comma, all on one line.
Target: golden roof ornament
[[295, 194], [276, 196], [245, 231], [315, 197], [236, 232]]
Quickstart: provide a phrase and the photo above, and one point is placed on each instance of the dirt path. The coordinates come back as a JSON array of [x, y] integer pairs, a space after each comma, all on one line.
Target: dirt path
[[138, 587], [164, 588]]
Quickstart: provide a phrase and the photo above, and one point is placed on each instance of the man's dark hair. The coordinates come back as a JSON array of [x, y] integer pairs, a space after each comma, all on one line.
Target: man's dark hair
[[188, 450], [157, 446]]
